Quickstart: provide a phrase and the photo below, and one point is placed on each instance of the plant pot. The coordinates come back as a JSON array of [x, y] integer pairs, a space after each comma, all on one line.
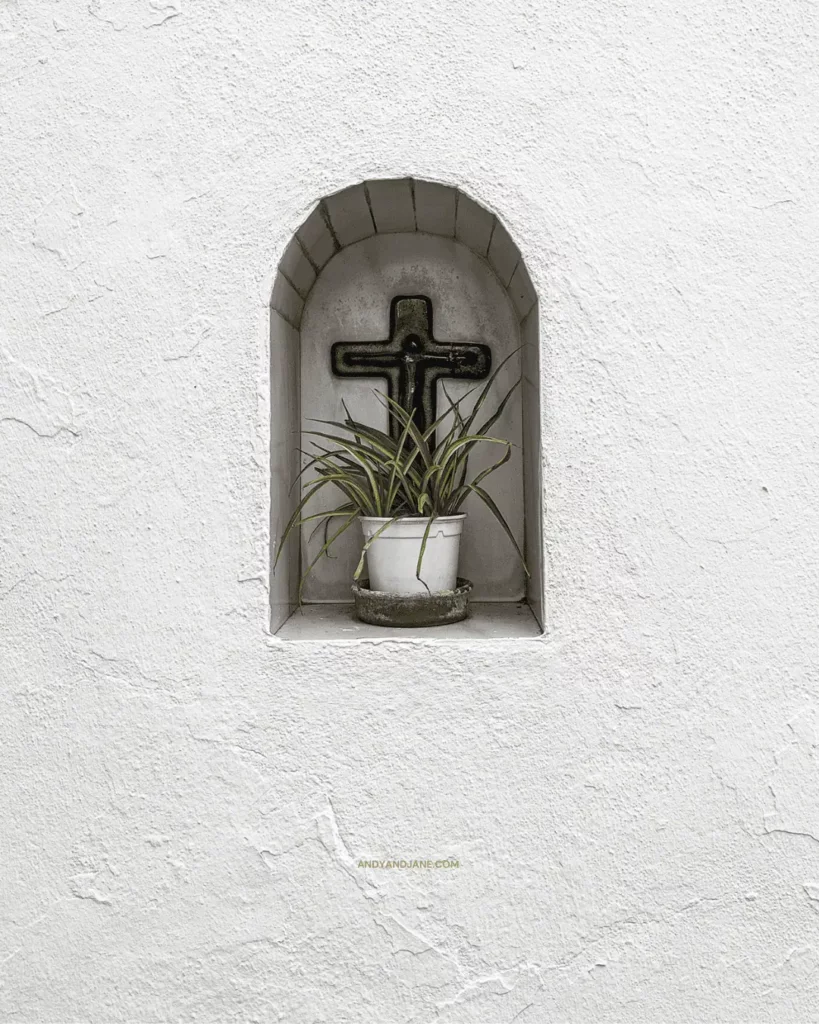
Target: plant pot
[[392, 557]]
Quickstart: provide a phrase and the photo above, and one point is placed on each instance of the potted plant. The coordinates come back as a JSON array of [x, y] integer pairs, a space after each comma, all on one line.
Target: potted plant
[[406, 491]]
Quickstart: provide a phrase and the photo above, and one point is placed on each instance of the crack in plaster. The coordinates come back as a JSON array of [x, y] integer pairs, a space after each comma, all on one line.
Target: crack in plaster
[[39, 575], [43, 397], [40, 433], [82, 887], [160, 8], [236, 747], [94, 10], [811, 890], [790, 832]]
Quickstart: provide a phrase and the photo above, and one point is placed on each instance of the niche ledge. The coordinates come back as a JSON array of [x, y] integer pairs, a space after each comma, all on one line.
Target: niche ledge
[[487, 621]]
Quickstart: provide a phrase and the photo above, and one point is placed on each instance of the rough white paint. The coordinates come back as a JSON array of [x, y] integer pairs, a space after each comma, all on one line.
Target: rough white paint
[[632, 801]]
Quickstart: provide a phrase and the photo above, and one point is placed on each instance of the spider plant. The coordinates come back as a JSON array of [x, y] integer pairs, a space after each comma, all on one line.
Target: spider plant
[[408, 476]]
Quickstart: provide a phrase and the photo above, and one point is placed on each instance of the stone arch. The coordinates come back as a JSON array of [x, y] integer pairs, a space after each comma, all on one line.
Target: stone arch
[[396, 206]]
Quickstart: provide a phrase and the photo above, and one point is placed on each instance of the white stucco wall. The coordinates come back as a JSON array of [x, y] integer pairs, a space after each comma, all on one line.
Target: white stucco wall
[[632, 800]]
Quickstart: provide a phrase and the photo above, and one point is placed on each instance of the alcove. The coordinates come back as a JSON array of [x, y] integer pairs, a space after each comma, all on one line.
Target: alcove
[[357, 251]]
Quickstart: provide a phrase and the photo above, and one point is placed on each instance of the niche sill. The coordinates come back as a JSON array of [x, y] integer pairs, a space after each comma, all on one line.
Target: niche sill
[[487, 621]]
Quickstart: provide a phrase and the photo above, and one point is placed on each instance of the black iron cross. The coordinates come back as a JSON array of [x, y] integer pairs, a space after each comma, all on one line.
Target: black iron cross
[[412, 361]]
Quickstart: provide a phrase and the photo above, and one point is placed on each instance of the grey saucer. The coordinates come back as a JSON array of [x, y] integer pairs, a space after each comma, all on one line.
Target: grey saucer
[[382, 609]]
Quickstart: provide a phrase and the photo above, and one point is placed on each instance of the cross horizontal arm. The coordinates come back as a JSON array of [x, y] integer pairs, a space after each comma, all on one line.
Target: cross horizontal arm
[[411, 360]]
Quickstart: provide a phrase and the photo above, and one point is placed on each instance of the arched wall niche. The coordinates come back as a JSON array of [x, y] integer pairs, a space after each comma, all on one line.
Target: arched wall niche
[[357, 250]]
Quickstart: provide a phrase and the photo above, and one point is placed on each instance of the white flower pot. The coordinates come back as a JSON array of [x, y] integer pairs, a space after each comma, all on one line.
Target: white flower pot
[[392, 557]]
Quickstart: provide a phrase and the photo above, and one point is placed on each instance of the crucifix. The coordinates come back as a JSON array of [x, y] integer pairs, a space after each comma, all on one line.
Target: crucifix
[[411, 360]]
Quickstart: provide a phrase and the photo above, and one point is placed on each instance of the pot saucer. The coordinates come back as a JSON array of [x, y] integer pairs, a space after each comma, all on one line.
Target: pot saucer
[[437, 609]]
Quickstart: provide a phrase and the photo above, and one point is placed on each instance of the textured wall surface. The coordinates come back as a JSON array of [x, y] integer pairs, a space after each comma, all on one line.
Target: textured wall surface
[[632, 801]]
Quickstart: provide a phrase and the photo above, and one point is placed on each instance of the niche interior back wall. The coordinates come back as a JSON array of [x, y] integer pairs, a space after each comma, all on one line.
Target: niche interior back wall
[[631, 800]]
